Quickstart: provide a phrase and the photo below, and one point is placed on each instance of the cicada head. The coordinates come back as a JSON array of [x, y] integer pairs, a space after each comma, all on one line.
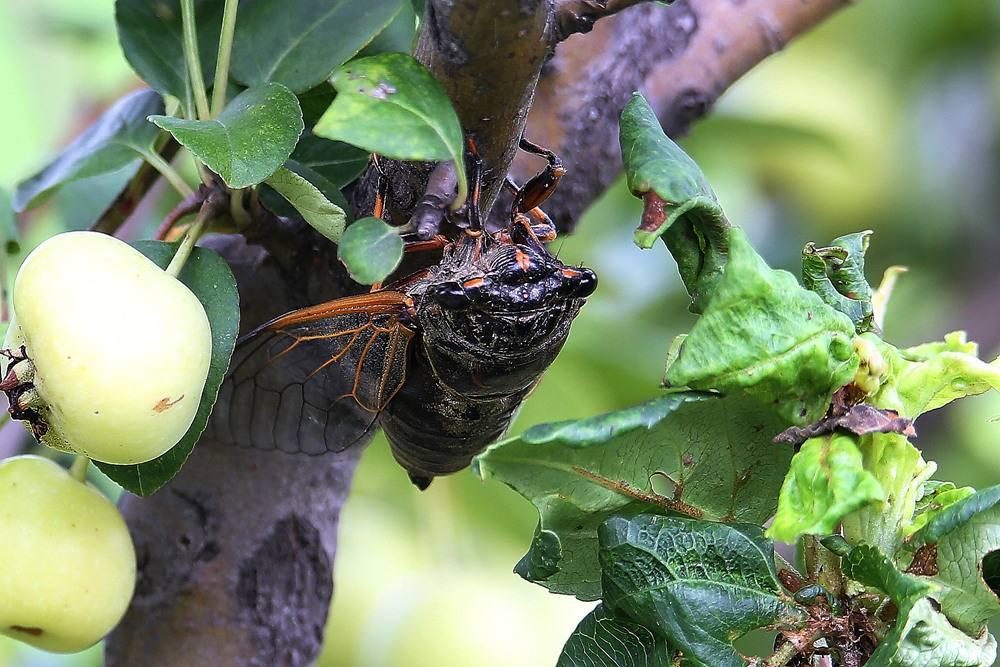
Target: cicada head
[[501, 309]]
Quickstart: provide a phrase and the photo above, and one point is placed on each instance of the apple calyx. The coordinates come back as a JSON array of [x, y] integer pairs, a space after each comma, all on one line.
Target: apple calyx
[[22, 397]]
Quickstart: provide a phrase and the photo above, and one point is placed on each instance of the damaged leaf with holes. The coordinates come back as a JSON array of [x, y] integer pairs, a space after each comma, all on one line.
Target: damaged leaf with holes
[[693, 453], [965, 538]]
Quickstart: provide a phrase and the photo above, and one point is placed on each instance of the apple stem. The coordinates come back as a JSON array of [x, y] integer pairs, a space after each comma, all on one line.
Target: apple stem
[[79, 468], [191, 237]]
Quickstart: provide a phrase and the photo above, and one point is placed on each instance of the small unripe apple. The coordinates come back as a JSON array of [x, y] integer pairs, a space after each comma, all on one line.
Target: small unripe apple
[[117, 349], [67, 564]]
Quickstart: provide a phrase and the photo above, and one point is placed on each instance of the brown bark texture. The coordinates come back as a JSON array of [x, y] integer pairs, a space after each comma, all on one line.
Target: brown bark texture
[[236, 553]]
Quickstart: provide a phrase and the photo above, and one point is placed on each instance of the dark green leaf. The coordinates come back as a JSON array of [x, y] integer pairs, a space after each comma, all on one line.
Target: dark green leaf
[[680, 205], [116, 141], [966, 533], [923, 637], [151, 36], [826, 482], [336, 161], [764, 334], [717, 453], [869, 566], [699, 585], [602, 640], [322, 215], [837, 274], [9, 237], [314, 103], [299, 44], [371, 250], [398, 36], [390, 104], [249, 140], [79, 204], [209, 277]]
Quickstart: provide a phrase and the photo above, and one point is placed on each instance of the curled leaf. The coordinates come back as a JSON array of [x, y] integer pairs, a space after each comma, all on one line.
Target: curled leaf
[[764, 334], [826, 482], [680, 206]]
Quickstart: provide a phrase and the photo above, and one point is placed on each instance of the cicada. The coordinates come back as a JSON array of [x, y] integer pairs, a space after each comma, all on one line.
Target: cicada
[[441, 359]]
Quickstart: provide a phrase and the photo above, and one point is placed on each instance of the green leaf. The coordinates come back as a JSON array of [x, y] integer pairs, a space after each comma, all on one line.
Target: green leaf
[[967, 535], [299, 44], [869, 566], [764, 334], [923, 637], [680, 205], [392, 105], [826, 482], [9, 236], [336, 161], [152, 39], [699, 585], [717, 452], [937, 496], [249, 140], [902, 472], [837, 274], [930, 376], [325, 217], [604, 640], [371, 250], [117, 140], [209, 277], [398, 36]]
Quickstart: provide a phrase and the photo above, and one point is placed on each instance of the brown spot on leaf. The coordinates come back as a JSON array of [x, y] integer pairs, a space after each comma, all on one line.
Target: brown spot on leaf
[[653, 212], [165, 403], [924, 562]]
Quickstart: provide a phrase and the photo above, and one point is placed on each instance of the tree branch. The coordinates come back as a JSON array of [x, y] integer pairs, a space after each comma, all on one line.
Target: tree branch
[[575, 16], [682, 57]]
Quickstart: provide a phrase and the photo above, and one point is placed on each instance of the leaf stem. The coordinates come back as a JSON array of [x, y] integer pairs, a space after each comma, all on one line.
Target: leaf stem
[[168, 172], [79, 468], [191, 237], [222, 62], [191, 57]]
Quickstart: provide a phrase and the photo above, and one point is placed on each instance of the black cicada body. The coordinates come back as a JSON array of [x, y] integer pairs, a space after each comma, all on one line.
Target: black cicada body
[[440, 360]]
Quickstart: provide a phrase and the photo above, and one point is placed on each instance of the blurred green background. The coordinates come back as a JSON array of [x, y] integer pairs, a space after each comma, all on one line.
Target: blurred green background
[[885, 118]]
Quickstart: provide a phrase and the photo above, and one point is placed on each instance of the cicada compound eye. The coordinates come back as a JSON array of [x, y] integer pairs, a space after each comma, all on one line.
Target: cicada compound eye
[[452, 296], [578, 283]]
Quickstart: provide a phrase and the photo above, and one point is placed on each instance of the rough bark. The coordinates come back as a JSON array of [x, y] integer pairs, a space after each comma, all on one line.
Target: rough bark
[[236, 552]]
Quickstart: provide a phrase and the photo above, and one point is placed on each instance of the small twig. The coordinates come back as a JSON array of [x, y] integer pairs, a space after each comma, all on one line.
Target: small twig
[[187, 206], [575, 16], [222, 62]]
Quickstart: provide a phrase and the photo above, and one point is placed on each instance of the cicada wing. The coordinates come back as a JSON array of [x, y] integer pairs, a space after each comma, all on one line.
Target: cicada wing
[[314, 380]]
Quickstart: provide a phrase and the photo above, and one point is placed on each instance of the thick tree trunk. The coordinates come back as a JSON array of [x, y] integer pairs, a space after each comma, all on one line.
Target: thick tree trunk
[[236, 553]]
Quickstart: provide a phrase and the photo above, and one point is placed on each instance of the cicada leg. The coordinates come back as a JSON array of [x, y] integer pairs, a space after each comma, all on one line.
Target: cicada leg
[[539, 187]]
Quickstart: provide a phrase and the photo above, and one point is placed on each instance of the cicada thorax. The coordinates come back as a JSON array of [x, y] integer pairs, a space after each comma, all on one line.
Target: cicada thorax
[[492, 316]]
